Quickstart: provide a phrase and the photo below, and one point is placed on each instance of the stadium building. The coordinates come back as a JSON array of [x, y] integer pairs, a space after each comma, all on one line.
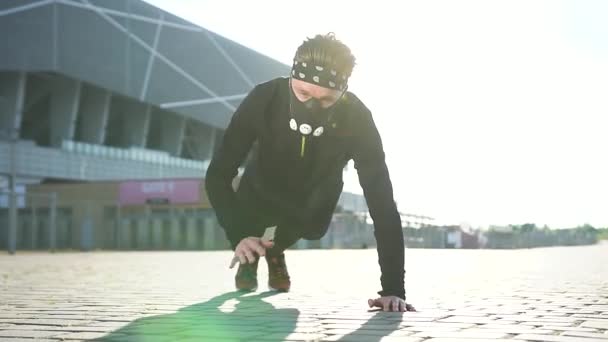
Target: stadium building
[[109, 114]]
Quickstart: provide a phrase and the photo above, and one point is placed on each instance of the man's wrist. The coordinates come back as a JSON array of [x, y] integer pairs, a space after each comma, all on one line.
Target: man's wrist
[[396, 293]]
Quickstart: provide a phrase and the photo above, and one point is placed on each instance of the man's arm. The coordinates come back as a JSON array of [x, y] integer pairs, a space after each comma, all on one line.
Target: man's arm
[[374, 179], [236, 144]]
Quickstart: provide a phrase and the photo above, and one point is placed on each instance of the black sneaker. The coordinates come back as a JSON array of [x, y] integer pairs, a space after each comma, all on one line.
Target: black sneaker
[[278, 277], [246, 278]]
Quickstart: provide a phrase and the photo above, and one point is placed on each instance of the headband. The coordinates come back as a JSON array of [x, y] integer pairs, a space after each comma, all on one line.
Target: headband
[[319, 75]]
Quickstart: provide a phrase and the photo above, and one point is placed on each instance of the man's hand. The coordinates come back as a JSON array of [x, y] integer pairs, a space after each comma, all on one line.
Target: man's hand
[[246, 249], [390, 303]]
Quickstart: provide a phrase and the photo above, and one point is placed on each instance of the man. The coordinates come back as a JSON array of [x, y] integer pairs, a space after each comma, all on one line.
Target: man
[[297, 133]]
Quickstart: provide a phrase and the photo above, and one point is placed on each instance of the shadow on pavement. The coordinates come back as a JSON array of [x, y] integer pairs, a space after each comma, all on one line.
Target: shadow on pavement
[[379, 326], [228, 317]]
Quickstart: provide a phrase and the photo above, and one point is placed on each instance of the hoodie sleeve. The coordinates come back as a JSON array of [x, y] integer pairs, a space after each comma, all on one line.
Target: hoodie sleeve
[[374, 178], [234, 147]]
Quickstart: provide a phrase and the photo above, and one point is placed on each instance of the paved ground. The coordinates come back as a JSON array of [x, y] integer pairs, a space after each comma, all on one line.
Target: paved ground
[[546, 294]]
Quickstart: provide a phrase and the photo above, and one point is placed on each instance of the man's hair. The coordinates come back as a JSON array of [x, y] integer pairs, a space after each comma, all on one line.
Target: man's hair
[[326, 50]]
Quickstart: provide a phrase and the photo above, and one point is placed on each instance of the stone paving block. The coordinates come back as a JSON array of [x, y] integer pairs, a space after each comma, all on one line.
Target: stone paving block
[[137, 338], [297, 324], [569, 320], [555, 338], [514, 329], [28, 333], [437, 325], [17, 339], [591, 317], [219, 334], [119, 318], [585, 334], [595, 324], [346, 321], [367, 338], [108, 324], [570, 328], [83, 329], [467, 319], [149, 329], [462, 334], [540, 324], [304, 330], [290, 337], [467, 313], [511, 330], [423, 329], [382, 327], [28, 327], [515, 318], [81, 335], [450, 339], [367, 332]]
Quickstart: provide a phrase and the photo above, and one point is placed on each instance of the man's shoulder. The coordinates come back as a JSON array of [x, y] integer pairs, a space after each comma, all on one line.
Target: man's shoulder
[[356, 107], [269, 85]]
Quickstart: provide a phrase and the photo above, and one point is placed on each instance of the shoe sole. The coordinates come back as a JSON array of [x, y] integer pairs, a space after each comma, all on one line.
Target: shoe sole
[[278, 290]]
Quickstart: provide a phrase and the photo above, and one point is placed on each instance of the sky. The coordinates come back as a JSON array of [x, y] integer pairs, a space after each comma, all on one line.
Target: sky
[[490, 112]]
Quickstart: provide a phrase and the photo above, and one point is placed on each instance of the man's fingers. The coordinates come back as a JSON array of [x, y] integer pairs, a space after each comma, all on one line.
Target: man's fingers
[[386, 305], [249, 255], [256, 245], [260, 249], [242, 258], [410, 307], [233, 262], [267, 244], [395, 305]]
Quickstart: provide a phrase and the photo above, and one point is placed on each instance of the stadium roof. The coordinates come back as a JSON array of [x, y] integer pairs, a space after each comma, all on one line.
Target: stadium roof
[[135, 49]]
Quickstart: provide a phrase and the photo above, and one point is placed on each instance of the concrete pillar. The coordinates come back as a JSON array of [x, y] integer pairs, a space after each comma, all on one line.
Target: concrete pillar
[[157, 233], [191, 233], [202, 140], [12, 96], [87, 227], [143, 233], [171, 133], [94, 112], [125, 234], [175, 235], [65, 100], [34, 227], [209, 234], [134, 120], [143, 230]]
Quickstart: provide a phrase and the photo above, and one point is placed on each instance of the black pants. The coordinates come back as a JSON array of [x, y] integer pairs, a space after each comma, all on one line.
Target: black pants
[[307, 219], [286, 234], [288, 230]]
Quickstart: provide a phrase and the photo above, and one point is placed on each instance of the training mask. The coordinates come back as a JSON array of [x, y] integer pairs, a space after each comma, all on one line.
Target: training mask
[[308, 116]]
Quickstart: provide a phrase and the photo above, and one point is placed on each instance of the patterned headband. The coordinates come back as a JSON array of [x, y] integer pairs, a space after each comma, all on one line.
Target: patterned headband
[[319, 75]]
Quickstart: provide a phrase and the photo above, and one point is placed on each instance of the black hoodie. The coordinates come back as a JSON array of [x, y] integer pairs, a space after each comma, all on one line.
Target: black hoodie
[[301, 181]]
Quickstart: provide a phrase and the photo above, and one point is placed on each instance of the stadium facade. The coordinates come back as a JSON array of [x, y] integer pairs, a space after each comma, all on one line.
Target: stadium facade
[[109, 114]]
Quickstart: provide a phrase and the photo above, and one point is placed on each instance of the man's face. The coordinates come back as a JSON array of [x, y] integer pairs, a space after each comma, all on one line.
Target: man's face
[[305, 91]]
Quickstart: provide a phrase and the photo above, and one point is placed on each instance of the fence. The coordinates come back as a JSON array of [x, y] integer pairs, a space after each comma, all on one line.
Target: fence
[[37, 221], [46, 222]]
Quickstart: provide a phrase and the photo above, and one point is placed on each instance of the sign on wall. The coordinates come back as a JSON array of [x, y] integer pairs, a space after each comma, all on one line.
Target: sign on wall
[[159, 191]]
